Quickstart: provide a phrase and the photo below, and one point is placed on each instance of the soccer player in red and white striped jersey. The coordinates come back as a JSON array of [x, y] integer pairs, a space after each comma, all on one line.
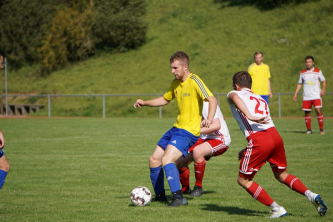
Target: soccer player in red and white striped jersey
[[213, 141], [310, 78], [264, 144]]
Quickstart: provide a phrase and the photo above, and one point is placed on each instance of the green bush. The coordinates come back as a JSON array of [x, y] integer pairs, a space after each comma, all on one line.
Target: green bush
[[54, 33]]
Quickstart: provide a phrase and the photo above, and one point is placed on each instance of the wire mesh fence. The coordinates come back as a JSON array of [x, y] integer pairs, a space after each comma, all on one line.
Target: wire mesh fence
[[121, 105]]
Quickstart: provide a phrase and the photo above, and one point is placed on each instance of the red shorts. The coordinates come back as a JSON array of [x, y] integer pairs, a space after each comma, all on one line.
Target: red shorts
[[263, 146], [216, 145], [307, 104]]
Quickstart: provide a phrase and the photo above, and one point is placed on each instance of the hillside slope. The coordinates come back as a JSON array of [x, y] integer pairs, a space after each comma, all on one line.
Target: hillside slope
[[219, 40]]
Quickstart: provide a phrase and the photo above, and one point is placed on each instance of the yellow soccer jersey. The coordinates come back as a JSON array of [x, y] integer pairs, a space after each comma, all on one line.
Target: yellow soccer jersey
[[190, 95], [260, 75]]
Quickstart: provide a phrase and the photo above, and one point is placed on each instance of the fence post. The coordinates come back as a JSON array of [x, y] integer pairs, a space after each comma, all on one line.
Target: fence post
[[6, 86], [103, 106], [279, 105], [49, 105]]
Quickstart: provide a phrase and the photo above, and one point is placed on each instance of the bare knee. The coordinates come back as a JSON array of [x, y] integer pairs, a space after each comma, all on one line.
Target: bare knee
[[281, 176], [5, 166], [245, 183], [154, 162], [166, 160]]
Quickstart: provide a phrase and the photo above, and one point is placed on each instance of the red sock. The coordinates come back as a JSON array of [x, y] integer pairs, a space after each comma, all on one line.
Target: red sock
[[184, 176], [308, 122], [321, 122], [199, 172], [295, 184], [258, 193]]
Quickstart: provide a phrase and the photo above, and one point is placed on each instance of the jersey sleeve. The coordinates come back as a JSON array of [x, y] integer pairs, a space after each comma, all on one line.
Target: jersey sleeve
[[268, 73], [321, 76], [249, 70], [202, 91], [169, 95], [229, 100], [300, 80]]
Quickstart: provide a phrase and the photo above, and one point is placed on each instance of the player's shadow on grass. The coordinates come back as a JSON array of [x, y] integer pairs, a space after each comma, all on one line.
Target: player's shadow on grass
[[287, 131], [233, 210]]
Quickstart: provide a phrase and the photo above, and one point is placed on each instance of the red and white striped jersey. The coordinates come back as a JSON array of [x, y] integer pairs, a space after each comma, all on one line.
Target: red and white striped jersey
[[223, 133], [311, 85], [257, 106]]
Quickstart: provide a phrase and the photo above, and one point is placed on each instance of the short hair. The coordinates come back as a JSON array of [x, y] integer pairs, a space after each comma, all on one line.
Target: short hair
[[180, 56], [257, 53], [309, 57], [243, 79]]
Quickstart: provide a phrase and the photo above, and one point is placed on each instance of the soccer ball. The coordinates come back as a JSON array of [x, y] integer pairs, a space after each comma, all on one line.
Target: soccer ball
[[141, 196]]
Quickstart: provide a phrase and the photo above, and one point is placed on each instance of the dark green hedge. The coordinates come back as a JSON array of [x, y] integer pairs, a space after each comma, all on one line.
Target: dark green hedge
[[55, 33]]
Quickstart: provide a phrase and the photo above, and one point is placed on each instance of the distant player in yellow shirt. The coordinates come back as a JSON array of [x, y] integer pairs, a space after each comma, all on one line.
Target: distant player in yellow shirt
[[260, 75], [190, 92]]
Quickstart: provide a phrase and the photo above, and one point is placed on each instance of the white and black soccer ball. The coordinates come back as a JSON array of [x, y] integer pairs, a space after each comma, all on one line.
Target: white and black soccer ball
[[141, 196]]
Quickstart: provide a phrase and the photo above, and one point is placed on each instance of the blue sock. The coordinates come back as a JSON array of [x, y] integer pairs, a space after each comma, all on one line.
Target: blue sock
[[3, 175], [172, 175], [157, 179]]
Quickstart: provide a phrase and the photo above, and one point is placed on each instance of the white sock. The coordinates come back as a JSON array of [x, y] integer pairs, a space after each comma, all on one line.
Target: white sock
[[274, 206], [311, 196]]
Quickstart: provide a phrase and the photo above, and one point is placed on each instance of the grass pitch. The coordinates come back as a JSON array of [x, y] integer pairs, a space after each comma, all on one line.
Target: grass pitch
[[84, 170]]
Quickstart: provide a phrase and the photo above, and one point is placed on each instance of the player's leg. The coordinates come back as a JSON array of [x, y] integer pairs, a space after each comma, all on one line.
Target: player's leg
[[320, 118], [307, 105], [184, 172], [295, 184], [199, 153], [253, 158], [4, 167], [278, 163], [157, 173], [259, 194], [171, 155]]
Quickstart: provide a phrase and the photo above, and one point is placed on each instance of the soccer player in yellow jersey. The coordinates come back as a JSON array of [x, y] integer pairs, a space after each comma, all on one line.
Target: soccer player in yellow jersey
[[190, 92], [261, 84]]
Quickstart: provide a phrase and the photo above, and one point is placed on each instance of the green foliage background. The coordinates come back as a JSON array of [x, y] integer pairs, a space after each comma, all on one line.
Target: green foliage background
[[54, 33], [220, 38]]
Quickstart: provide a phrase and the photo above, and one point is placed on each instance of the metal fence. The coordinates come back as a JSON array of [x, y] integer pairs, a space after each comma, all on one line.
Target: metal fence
[[103, 96]]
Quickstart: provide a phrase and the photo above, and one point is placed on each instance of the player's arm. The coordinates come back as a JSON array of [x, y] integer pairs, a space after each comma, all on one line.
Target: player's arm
[[298, 87], [215, 126], [322, 92], [2, 140], [160, 101], [269, 88], [211, 112], [239, 103]]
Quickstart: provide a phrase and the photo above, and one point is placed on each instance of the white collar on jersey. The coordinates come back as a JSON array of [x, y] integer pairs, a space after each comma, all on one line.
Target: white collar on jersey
[[246, 89]]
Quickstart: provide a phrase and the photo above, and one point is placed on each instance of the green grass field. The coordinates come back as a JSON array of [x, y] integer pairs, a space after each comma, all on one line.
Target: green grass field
[[83, 169]]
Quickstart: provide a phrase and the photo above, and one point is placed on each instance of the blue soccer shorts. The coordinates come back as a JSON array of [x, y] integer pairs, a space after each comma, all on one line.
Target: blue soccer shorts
[[180, 138]]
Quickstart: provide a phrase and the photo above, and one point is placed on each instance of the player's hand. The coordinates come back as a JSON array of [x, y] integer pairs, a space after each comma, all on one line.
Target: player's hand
[[322, 93], [139, 103], [270, 95], [261, 120], [206, 123], [2, 140], [240, 154], [295, 98]]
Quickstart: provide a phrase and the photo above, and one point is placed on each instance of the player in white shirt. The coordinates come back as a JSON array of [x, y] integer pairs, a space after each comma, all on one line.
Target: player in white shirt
[[213, 141], [310, 78], [264, 144]]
